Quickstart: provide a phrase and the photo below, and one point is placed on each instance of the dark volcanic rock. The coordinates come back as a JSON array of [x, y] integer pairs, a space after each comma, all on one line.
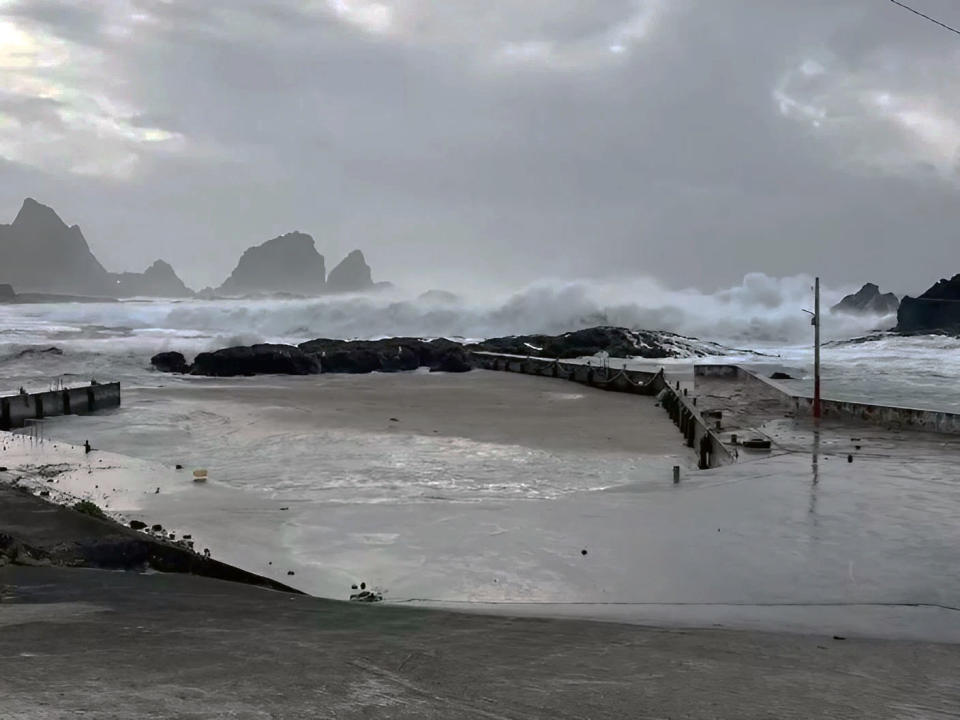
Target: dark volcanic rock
[[351, 275], [618, 342], [868, 301], [454, 360], [6, 292], [39, 253], [289, 263], [937, 309], [171, 362], [158, 280], [389, 355], [256, 360]]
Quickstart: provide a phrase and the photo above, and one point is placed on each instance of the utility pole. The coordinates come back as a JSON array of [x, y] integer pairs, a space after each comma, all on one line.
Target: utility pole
[[816, 350]]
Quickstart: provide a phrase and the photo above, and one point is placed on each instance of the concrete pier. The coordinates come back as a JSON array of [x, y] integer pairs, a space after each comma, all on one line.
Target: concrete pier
[[16, 410]]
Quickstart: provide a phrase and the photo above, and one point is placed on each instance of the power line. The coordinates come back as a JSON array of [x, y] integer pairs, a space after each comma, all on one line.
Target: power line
[[926, 17]]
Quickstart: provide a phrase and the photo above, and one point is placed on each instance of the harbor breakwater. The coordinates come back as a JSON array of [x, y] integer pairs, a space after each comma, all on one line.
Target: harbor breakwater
[[17, 410]]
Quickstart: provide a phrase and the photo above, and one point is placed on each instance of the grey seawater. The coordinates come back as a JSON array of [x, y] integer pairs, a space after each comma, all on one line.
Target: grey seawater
[[865, 548]]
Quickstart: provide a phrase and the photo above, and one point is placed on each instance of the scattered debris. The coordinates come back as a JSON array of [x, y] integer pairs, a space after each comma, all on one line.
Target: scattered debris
[[138, 524]]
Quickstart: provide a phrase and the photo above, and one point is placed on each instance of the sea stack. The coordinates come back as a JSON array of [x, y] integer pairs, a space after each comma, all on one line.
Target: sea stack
[[289, 263], [868, 300], [351, 275], [158, 280], [39, 253]]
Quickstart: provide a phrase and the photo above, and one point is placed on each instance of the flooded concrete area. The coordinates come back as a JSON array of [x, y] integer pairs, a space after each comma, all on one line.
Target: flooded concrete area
[[797, 538]]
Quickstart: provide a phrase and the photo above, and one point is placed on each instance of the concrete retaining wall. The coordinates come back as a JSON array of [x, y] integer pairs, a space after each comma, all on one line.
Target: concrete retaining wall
[[711, 452], [629, 381], [49, 404], [886, 415], [17, 409]]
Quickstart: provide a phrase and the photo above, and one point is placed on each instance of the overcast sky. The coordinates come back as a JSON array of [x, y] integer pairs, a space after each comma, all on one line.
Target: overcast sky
[[494, 140]]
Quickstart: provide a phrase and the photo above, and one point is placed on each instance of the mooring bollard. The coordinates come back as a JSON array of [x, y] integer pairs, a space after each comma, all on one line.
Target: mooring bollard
[[676, 474], [684, 392], [694, 402]]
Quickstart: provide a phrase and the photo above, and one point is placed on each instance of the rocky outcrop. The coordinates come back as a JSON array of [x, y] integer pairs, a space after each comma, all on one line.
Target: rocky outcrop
[[868, 300], [288, 263], [170, 362], [6, 292], [39, 253], [615, 341], [351, 275], [158, 280], [388, 355], [938, 309], [255, 360]]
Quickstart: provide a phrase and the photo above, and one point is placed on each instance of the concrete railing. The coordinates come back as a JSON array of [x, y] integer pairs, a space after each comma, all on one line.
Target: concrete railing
[[710, 449], [602, 378], [886, 415], [16, 410]]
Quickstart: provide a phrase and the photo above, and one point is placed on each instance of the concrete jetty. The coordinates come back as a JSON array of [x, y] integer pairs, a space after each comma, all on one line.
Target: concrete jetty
[[17, 410]]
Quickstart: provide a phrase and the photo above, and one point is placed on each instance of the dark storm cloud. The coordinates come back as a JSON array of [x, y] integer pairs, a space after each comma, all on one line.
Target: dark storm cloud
[[504, 141]]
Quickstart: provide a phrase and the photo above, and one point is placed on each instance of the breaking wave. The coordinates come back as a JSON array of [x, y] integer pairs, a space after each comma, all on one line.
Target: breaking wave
[[761, 310]]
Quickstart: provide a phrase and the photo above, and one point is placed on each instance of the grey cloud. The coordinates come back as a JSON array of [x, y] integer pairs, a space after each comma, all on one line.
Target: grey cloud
[[673, 159]]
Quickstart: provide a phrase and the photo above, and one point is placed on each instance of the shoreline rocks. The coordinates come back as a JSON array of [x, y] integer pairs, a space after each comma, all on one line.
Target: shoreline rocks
[[264, 359], [938, 309]]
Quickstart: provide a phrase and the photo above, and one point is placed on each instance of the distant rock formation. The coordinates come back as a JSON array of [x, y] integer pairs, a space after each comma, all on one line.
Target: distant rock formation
[[39, 253], [288, 263], [6, 292], [868, 301], [158, 280], [49, 262], [938, 309], [351, 275]]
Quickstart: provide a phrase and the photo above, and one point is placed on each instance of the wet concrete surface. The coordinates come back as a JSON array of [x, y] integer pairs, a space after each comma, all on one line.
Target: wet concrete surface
[[95, 644]]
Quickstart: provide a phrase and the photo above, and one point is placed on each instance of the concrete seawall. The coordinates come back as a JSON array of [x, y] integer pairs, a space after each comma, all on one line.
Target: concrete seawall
[[16, 410], [886, 415], [711, 451]]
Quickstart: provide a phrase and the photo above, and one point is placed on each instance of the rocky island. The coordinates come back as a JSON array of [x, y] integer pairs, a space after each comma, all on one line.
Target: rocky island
[[868, 300], [40, 256]]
